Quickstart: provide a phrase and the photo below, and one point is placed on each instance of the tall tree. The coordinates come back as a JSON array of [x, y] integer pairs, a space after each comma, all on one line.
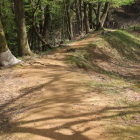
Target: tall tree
[[24, 48]]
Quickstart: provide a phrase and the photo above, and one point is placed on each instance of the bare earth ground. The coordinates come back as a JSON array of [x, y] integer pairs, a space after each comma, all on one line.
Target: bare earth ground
[[49, 100]]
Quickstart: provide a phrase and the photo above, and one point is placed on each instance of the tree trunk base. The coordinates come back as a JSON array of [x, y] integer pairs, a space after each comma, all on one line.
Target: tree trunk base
[[7, 58]]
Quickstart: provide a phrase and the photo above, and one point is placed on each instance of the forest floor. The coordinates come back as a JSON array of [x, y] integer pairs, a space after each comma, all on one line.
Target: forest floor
[[47, 98]]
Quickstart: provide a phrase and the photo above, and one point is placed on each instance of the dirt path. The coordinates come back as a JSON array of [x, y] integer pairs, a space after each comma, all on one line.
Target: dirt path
[[48, 100]]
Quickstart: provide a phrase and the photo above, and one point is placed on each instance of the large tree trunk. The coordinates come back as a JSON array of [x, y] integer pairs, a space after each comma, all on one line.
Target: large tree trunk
[[6, 57], [24, 48], [86, 20]]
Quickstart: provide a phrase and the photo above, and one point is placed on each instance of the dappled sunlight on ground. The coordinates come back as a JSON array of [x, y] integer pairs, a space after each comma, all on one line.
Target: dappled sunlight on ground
[[49, 100]]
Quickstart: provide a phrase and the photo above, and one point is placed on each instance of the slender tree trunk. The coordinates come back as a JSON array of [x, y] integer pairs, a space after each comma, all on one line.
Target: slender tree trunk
[[86, 20], [42, 9], [81, 15], [46, 23], [6, 57], [77, 7], [24, 48], [90, 15], [69, 24]]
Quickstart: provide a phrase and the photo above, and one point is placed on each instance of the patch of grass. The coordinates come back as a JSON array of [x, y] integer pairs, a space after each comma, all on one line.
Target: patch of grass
[[107, 87], [125, 132], [125, 124], [127, 45], [114, 86], [80, 58]]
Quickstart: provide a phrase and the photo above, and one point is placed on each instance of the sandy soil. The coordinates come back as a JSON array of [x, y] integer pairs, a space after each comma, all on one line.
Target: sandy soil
[[49, 100]]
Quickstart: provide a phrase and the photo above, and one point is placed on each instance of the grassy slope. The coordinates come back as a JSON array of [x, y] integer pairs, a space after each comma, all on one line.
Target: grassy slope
[[110, 54], [115, 57]]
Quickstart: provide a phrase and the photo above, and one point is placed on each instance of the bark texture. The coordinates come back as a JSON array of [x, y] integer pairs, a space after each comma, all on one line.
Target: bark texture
[[69, 23], [24, 48], [46, 23], [86, 20]]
